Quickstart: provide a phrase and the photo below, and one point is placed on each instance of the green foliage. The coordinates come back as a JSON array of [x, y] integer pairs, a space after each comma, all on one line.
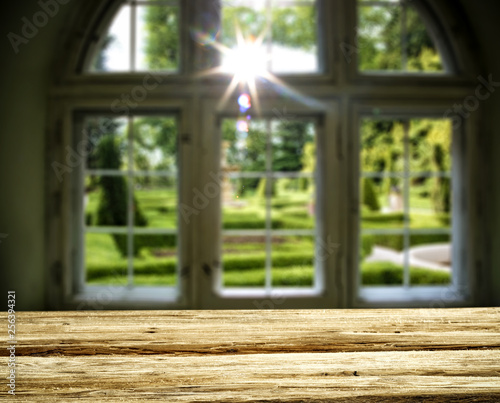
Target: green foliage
[[396, 242], [385, 273], [441, 191], [380, 42], [262, 188], [112, 209], [369, 196], [289, 141], [163, 40], [294, 27]]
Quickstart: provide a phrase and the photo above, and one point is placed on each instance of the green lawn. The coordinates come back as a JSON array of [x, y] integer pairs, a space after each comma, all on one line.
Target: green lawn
[[244, 257]]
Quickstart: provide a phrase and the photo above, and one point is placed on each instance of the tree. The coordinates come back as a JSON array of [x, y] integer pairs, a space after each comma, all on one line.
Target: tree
[[369, 195], [380, 44], [289, 140], [162, 44]]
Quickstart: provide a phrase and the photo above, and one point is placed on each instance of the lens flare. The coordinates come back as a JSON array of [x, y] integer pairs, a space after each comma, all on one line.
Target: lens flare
[[242, 126], [245, 102]]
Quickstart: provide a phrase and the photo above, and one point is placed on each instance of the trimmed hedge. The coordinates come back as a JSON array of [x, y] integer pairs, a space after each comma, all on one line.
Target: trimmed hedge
[[168, 265], [396, 242], [385, 273]]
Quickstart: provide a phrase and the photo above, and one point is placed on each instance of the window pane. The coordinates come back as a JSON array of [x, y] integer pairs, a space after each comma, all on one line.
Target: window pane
[[416, 202], [106, 201], [289, 29], [382, 259], [293, 261], [157, 46], [107, 143], [243, 151], [293, 146], [382, 203], [393, 37], [243, 204], [156, 200], [106, 259], [244, 261], [293, 203], [141, 38], [155, 260], [430, 145], [430, 259], [382, 146], [155, 144], [115, 47], [430, 202]]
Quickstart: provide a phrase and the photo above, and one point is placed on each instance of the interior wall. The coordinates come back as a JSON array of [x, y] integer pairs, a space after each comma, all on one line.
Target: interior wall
[[486, 28], [25, 81]]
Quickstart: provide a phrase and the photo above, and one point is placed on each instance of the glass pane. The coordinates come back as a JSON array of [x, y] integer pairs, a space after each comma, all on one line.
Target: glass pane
[[294, 33], [294, 149], [382, 146], [423, 55], [382, 259], [155, 144], [107, 143], [243, 151], [114, 52], [244, 261], [106, 259], [289, 31], [430, 259], [379, 38], [430, 145], [106, 201], [156, 202], [155, 261], [430, 202], [293, 203], [293, 261], [243, 203], [157, 46], [382, 203], [393, 37]]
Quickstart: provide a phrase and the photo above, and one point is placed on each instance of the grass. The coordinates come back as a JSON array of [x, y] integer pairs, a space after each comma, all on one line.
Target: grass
[[244, 259]]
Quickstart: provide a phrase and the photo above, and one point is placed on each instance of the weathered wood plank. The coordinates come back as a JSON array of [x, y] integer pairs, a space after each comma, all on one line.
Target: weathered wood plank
[[445, 375], [251, 332], [236, 356]]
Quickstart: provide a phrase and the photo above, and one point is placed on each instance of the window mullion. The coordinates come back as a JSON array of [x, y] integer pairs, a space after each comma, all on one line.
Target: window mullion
[[131, 207], [406, 201], [269, 192]]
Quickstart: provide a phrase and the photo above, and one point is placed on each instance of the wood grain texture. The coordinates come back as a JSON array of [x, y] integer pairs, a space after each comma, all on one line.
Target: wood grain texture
[[235, 356]]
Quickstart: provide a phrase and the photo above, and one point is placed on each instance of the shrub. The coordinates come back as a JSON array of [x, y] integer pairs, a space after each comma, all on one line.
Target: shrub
[[112, 208], [369, 195], [384, 273]]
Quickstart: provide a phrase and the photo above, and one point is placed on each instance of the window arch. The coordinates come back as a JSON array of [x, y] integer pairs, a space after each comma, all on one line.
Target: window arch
[[350, 105]]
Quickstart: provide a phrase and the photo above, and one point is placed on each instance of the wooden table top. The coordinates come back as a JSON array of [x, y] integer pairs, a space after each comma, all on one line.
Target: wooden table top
[[431, 355]]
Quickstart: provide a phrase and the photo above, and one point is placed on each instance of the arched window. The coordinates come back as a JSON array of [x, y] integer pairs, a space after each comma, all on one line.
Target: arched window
[[264, 154]]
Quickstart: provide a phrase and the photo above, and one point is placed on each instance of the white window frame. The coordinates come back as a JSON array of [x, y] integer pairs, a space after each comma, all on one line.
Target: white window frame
[[461, 290], [78, 295], [323, 294]]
